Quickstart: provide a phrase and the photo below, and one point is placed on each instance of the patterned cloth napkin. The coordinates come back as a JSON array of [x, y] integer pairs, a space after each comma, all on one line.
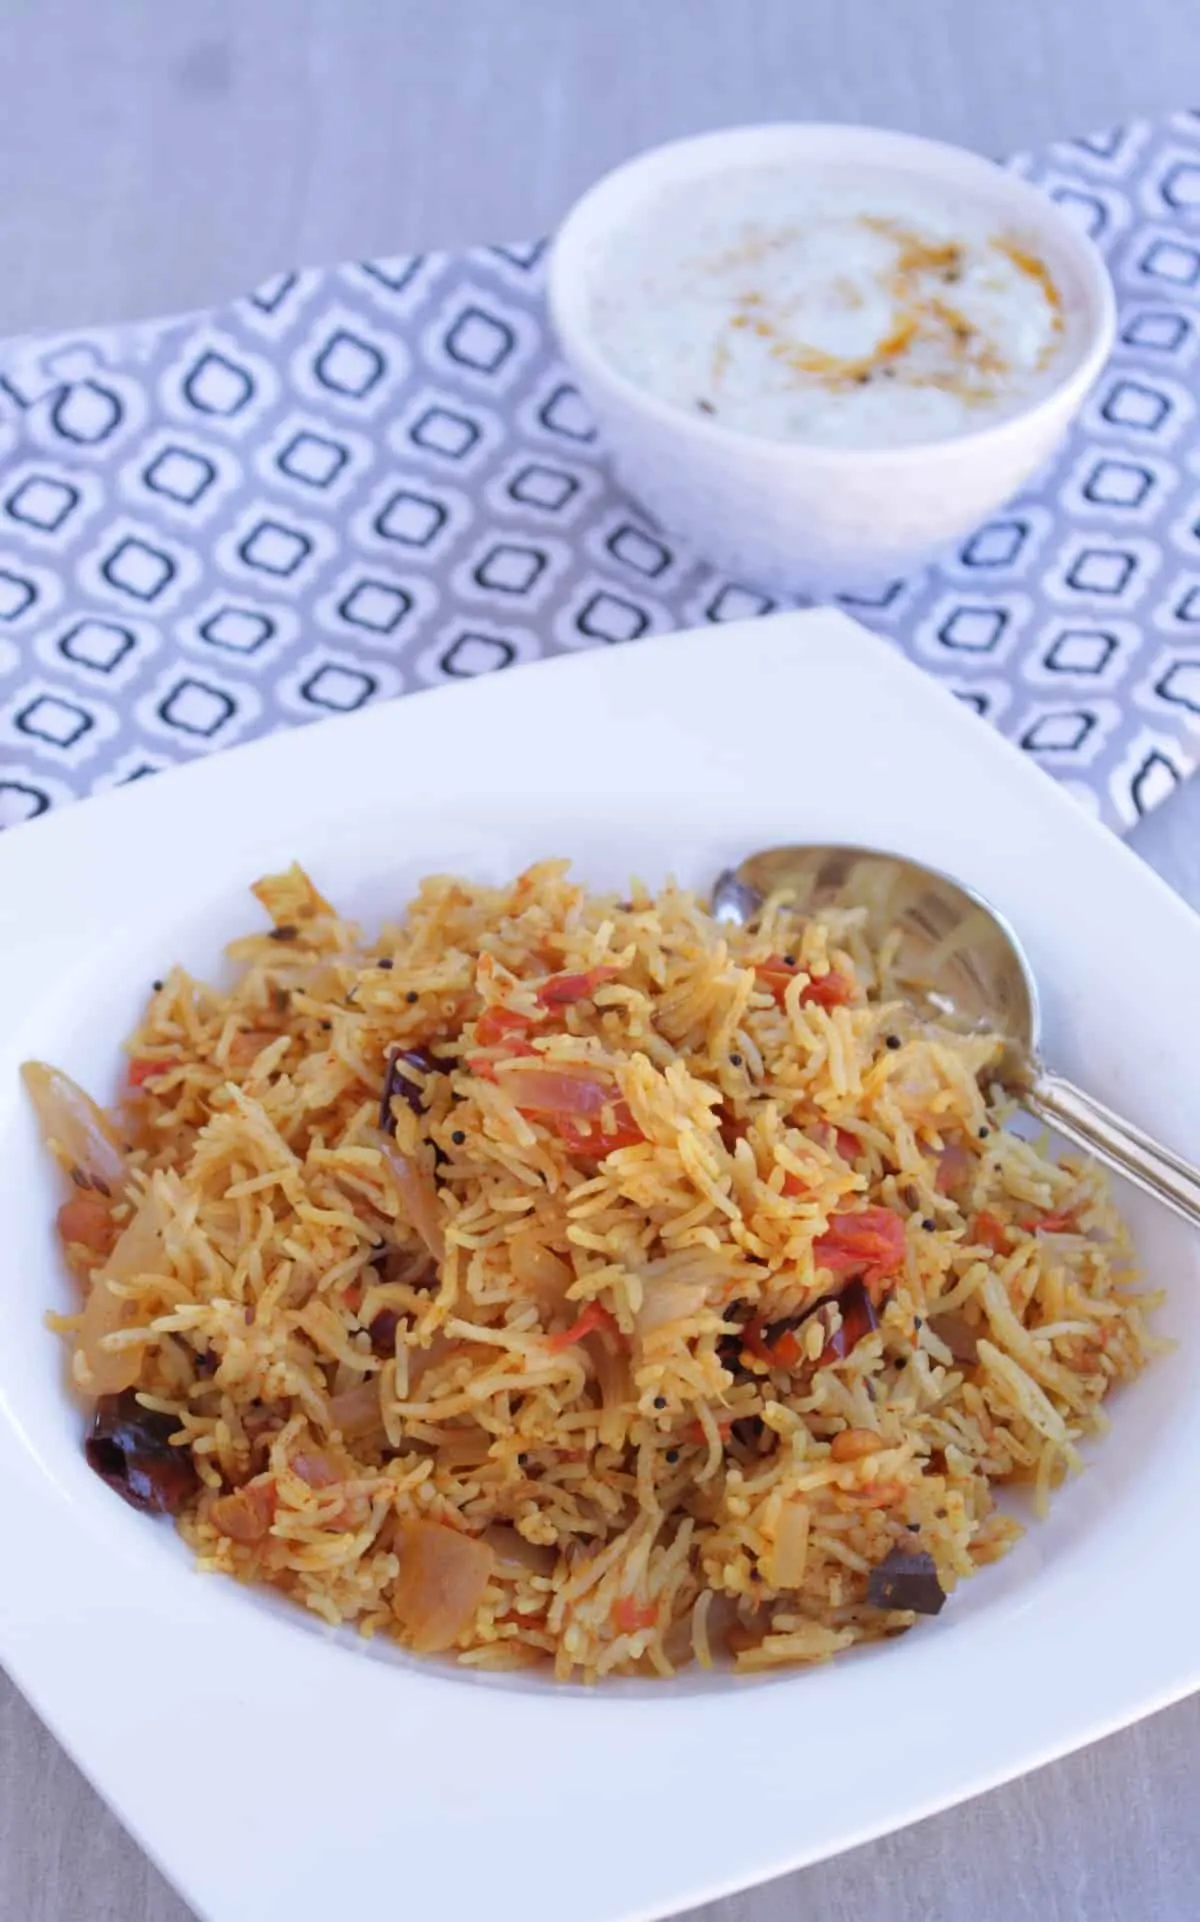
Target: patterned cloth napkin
[[360, 481]]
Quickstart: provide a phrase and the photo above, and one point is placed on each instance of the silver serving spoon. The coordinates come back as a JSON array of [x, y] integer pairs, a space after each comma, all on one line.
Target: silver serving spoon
[[960, 964]]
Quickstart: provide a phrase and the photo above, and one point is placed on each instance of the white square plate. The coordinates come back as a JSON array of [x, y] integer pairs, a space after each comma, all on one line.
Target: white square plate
[[278, 1771]]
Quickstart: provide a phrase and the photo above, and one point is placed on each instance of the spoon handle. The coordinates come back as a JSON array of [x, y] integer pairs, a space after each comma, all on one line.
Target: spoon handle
[[1092, 1126]]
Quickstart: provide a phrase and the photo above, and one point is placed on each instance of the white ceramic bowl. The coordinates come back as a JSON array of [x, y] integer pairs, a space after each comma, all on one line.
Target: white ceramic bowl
[[803, 517]]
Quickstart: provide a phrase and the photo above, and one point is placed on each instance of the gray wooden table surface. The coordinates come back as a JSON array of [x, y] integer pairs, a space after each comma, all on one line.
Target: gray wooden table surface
[[159, 157]]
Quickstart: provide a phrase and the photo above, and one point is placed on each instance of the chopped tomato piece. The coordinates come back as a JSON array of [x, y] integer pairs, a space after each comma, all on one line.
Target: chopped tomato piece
[[990, 1232], [500, 1024], [557, 991], [774, 975], [629, 1615], [561, 990], [794, 1185], [782, 1350], [143, 1069], [594, 1317], [867, 1241], [846, 1144], [786, 1347], [623, 1133], [831, 990], [697, 1432], [1063, 1221]]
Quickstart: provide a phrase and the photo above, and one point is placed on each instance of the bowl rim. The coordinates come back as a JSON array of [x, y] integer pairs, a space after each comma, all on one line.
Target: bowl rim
[[696, 156]]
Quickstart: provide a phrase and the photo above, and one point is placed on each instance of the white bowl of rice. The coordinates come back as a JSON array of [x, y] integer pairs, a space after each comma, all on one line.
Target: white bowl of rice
[[819, 354], [245, 1685]]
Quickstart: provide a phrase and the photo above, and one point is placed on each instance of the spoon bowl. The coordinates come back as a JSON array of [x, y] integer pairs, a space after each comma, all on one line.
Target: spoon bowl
[[959, 965]]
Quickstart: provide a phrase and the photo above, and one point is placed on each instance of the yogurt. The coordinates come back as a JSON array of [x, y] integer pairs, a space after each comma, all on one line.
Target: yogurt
[[851, 307]]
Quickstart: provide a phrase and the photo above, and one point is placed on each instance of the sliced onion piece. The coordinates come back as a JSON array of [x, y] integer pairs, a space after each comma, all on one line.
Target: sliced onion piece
[[139, 1251], [538, 1268], [245, 1515], [956, 1332], [667, 1301], [612, 1374], [954, 1167], [315, 1469], [512, 1551], [82, 1131], [418, 1198], [538, 1090], [441, 1583], [356, 1412]]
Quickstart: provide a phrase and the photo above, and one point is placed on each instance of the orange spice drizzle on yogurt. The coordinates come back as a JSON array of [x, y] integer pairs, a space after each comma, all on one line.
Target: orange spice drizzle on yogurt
[[873, 315]]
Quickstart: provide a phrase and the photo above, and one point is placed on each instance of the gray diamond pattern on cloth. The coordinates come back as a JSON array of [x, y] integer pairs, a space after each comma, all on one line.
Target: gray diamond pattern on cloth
[[361, 481]]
